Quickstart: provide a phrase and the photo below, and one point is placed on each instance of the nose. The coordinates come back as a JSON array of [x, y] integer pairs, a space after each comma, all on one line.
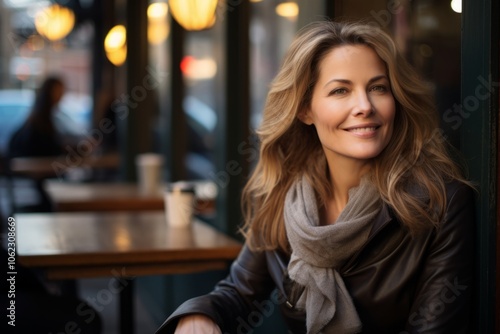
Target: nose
[[362, 105]]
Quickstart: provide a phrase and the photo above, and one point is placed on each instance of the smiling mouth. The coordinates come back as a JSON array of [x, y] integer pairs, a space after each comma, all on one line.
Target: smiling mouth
[[365, 129]]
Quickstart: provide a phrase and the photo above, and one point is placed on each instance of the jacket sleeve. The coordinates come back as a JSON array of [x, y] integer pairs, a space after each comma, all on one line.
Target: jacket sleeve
[[234, 298], [443, 298]]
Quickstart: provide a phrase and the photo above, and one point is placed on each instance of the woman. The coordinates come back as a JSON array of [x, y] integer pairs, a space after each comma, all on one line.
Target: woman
[[38, 135], [355, 215]]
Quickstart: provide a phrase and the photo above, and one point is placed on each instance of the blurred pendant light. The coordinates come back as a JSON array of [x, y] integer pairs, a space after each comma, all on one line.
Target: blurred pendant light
[[158, 25], [54, 22], [194, 14], [456, 5], [115, 45], [289, 10]]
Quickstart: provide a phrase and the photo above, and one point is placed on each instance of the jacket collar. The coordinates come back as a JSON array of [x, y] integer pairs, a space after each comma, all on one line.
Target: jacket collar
[[384, 217], [381, 220]]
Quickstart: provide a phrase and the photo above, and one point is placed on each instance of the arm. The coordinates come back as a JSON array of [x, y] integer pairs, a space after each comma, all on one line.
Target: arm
[[443, 297], [233, 298]]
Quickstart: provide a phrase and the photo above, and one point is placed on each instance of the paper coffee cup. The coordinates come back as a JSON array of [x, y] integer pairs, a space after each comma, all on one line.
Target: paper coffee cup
[[179, 204], [149, 172]]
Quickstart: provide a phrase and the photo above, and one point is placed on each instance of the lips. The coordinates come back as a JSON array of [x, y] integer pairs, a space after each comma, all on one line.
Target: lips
[[364, 131], [363, 128]]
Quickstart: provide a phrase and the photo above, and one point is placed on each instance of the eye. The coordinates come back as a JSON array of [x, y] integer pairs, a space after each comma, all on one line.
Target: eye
[[379, 89], [338, 91]]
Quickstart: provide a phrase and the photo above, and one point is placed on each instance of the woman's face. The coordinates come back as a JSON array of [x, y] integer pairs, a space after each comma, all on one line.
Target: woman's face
[[352, 106]]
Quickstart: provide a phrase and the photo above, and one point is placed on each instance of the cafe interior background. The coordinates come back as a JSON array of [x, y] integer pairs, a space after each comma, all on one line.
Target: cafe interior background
[[191, 90]]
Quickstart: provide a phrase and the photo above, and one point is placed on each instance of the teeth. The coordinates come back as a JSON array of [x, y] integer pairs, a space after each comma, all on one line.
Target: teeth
[[363, 129]]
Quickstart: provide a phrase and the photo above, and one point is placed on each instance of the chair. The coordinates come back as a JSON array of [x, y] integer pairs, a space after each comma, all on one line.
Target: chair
[[23, 193]]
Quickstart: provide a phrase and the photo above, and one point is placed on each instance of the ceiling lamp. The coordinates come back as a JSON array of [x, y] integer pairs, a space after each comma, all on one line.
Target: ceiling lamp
[[158, 25], [194, 14], [115, 45], [289, 10], [54, 22], [456, 5]]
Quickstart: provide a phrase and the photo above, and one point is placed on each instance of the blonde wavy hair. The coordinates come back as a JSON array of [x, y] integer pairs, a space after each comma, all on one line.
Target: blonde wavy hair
[[410, 173]]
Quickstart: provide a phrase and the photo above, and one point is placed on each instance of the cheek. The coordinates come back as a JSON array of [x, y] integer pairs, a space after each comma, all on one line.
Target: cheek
[[327, 114], [327, 125], [387, 110]]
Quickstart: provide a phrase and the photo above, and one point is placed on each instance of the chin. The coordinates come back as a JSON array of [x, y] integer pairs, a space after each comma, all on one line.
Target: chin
[[366, 155]]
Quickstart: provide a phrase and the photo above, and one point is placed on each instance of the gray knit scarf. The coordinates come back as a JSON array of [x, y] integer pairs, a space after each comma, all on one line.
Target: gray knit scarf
[[317, 251]]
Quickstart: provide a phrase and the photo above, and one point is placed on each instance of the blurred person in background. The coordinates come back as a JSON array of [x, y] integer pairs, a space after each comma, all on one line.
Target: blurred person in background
[[38, 136]]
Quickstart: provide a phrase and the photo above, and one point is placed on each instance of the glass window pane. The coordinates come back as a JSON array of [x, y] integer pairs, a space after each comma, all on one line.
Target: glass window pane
[[159, 33], [433, 46], [33, 50], [273, 25], [203, 71]]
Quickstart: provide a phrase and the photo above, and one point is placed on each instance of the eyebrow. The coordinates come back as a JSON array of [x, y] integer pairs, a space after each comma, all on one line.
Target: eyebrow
[[349, 82]]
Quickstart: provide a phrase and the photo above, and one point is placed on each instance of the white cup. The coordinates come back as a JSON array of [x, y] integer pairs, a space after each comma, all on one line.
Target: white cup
[[149, 172], [179, 204]]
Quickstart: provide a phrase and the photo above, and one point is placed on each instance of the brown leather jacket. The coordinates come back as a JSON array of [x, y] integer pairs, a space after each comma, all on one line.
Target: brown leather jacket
[[399, 283]]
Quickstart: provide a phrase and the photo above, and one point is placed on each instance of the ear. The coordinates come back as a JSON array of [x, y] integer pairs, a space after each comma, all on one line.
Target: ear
[[305, 117]]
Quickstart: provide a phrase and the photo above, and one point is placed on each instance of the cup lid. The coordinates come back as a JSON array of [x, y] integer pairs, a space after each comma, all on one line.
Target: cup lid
[[149, 159], [180, 186]]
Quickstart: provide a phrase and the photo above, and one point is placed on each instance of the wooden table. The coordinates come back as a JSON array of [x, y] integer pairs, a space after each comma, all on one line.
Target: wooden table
[[71, 197], [43, 167], [82, 245]]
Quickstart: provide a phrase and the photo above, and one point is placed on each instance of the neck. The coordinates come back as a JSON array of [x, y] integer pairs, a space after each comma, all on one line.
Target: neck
[[344, 175]]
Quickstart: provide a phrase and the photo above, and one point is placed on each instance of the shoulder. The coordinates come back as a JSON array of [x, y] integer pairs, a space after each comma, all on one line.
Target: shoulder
[[459, 197], [456, 187], [458, 207], [456, 193], [459, 223]]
